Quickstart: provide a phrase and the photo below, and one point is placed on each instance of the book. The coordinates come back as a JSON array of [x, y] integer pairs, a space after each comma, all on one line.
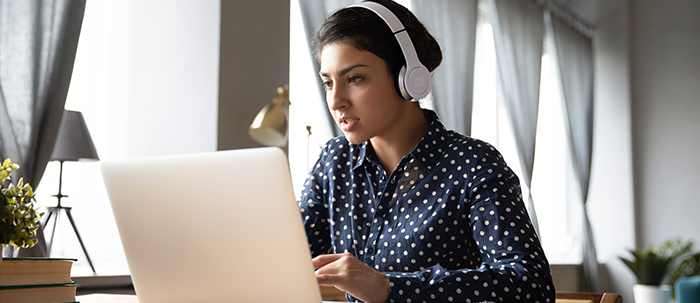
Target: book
[[35, 271], [43, 293]]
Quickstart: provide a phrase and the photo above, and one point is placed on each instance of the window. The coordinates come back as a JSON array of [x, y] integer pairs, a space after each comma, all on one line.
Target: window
[[558, 231], [123, 81], [104, 112], [307, 104]]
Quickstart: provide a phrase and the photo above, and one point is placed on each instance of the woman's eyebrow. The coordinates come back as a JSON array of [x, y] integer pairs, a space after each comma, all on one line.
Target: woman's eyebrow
[[344, 70]]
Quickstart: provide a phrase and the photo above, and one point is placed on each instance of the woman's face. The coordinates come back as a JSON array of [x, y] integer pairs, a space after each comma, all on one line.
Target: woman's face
[[360, 92]]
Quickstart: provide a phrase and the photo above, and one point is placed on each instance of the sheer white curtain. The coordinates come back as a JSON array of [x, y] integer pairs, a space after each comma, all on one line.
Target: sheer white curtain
[[453, 24], [574, 54], [518, 29]]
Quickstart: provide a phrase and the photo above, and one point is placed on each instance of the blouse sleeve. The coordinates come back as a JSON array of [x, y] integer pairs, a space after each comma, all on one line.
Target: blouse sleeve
[[514, 267], [314, 209]]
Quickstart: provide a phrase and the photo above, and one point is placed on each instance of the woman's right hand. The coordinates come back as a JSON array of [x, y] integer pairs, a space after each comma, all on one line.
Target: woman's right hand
[[347, 273]]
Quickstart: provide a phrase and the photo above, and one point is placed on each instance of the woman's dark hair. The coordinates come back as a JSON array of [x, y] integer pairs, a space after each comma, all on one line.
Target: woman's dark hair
[[365, 30]]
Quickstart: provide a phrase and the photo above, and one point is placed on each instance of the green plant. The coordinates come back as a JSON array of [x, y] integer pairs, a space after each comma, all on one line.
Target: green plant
[[652, 265], [19, 220]]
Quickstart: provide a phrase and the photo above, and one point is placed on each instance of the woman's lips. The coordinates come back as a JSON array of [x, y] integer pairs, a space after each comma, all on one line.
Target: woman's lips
[[348, 124]]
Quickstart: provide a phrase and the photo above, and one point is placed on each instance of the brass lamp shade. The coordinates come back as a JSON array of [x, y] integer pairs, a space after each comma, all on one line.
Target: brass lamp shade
[[270, 125]]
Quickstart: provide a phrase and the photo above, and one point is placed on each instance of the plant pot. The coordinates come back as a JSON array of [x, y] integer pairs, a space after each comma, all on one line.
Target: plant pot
[[651, 293]]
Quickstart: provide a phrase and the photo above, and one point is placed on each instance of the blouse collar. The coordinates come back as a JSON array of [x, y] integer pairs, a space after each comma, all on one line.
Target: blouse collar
[[427, 152]]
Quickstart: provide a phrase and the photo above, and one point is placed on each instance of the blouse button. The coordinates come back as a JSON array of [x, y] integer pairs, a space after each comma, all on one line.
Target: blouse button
[[370, 250]]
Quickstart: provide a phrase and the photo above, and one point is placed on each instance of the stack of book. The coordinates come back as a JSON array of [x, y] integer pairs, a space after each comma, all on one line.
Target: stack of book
[[36, 280]]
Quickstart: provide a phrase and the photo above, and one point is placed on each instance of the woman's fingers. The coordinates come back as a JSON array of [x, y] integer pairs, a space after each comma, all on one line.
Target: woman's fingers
[[323, 260], [347, 273], [333, 269]]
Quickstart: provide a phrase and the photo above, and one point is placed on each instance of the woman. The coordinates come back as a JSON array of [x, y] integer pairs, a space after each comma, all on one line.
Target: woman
[[401, 209]]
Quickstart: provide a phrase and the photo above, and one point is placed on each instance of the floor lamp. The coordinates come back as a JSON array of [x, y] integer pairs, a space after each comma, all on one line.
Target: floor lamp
[[72, 144]]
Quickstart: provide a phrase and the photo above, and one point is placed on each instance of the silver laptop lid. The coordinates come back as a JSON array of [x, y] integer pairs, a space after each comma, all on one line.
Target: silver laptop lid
[[212, 227]]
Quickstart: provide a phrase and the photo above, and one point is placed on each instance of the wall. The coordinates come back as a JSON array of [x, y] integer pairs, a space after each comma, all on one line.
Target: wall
[[254, 62], [611, 194], [172, 77], [665, 82]]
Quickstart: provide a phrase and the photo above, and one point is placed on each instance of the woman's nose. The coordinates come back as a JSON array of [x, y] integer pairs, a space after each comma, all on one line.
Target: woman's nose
[[336, 98]]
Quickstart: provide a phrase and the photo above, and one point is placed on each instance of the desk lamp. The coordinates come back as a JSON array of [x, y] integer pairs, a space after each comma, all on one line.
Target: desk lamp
[[72, 144], [270, 125]]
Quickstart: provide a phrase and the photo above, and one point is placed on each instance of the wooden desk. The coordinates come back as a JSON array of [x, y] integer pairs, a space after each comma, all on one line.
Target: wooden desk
[[329, 294], [112, 298]]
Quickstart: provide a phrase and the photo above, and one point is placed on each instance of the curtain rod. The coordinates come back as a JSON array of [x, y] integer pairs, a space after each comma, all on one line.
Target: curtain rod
[[564, 12]]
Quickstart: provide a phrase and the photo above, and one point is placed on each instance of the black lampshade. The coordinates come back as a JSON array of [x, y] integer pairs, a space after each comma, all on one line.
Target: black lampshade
[[73, 142]]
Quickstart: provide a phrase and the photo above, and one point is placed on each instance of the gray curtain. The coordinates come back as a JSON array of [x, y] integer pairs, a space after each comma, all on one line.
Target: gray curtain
[[518, 30], [38, 41], [453, 24], [574, 53], [312, 13]]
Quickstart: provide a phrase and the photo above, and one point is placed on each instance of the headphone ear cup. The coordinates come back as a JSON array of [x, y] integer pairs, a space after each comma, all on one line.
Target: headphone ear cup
[[413, 80], [401, 84]]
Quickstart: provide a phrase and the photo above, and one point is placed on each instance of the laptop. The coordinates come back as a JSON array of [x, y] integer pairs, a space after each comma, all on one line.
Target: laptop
[[212, 227]]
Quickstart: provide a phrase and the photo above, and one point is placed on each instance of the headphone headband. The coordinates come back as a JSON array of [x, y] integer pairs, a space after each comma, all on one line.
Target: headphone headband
[[414, 78]]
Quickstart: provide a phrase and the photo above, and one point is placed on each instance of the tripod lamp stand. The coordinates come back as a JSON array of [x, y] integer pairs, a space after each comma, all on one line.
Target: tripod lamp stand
[[72, 144]]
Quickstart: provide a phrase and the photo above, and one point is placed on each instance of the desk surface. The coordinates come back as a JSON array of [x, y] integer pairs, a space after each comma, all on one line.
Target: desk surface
[[112, 298]]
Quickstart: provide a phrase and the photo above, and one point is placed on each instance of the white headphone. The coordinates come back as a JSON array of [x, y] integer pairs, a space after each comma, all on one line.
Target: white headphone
[[414, 77]]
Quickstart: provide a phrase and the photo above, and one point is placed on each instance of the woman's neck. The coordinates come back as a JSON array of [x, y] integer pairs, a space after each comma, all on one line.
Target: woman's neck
[[401, 139]]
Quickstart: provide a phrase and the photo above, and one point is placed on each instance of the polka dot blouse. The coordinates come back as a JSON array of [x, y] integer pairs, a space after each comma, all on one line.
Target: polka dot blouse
[[447, 225]]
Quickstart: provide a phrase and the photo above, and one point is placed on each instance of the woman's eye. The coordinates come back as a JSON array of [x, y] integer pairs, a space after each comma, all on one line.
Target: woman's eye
[[327, 85], [354, 79]]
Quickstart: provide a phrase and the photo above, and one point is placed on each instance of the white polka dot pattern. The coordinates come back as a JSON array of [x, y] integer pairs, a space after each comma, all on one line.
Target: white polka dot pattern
[[447, 225]]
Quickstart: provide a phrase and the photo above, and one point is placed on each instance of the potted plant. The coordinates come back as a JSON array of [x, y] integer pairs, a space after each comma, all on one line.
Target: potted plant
[[652, 266], [19, 220]]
